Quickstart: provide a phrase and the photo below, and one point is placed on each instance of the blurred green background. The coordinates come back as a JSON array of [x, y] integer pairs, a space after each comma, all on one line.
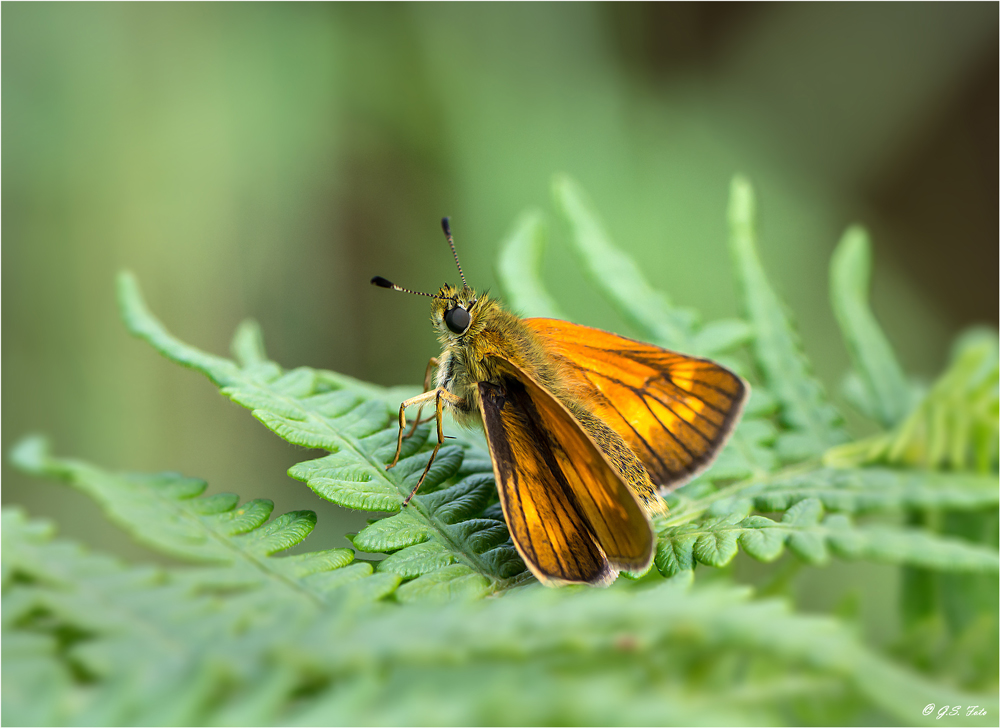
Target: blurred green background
[[266, 160]]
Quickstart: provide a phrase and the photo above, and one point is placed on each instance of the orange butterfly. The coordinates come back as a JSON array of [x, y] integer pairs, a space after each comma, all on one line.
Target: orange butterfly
[[584, 428]]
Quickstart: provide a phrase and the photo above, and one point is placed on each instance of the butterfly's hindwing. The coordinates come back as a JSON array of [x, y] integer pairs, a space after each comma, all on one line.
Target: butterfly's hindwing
[[570, 514]]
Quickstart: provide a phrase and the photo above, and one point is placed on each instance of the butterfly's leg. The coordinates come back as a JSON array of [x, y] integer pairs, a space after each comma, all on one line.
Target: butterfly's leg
[[419, 399], [427, 386], [441, 395]]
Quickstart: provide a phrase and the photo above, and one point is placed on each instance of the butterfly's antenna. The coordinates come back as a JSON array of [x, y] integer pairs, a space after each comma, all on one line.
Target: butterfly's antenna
[[447, 233], [383, 283]]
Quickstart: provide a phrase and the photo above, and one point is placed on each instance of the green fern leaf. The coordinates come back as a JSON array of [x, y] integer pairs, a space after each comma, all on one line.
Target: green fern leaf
[[519, 268], [812, 538], [617, 275], [687, 628], [675, 552], [718, 337], [869, 490], [954, 426], [189, 651], [749, 453], [454, 582], [886, 396], [418, 560], [352, 421], [815, 424], [621, 280], [165, 512], [41, 688], [803, 539], [915, 547], [392, 533], [760, 539], [716, 545]]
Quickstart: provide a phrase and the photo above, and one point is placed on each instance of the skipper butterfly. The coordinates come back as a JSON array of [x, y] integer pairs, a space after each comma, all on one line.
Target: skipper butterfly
[[585, 427]]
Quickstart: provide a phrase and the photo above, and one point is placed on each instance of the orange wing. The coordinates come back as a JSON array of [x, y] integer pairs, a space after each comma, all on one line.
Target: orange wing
[[674, 411], [570, 515]]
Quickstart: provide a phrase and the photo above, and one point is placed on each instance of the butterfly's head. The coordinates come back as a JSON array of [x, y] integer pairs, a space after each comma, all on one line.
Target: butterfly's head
[[454, 311]]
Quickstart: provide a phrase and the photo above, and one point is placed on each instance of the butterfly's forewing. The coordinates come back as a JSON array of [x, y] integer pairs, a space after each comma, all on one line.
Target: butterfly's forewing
[[571, 516], [674, 411]]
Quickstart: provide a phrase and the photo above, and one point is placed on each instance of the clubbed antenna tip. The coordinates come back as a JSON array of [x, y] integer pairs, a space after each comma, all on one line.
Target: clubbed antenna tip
[[383, 283], [446, 226]]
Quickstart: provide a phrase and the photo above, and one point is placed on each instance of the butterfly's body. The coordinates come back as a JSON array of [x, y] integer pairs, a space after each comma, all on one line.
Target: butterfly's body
[[583, 427]]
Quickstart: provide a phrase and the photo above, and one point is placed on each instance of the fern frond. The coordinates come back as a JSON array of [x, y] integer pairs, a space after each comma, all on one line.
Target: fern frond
[[37, 684], [519, 268], [868, 490], [805, 409], [167, 512], [623, 283], [854, 490], [614, 273], [156, 651], [664, 640], [954, 426], [750, 450], [353, 422], [812, 538], [885, 395]]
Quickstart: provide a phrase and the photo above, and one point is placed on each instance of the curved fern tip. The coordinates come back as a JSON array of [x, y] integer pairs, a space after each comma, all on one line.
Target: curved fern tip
[[31, 454], [560, 179], [131, 304], [565, 187], [127, 285], [978, 338], [856, 232], [248, 343], [853, 251], [742, 202]]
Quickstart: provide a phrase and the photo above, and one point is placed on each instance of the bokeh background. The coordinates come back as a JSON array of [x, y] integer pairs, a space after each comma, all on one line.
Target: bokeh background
[[266, 160]]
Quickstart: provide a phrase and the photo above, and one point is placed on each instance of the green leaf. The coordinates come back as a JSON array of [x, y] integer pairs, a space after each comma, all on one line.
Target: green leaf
[[353, 423], [456, 582], [954, 426], [39, 690], [418, 560], [762, 538], [718, 337], [716, 546], [804, 540], [804, 406], [871, 490], [617, 275], [519, 268], [392, 533], [811, 538], [914, 547], [141, 323], [675, 552], [165, 512], [749, 452], [887, 395]]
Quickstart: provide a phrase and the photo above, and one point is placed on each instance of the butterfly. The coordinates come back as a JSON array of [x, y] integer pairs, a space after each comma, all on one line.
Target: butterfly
[[585, 428]]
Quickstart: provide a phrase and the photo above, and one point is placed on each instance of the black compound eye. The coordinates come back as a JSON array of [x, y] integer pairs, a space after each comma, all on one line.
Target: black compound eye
[[457, 319]]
